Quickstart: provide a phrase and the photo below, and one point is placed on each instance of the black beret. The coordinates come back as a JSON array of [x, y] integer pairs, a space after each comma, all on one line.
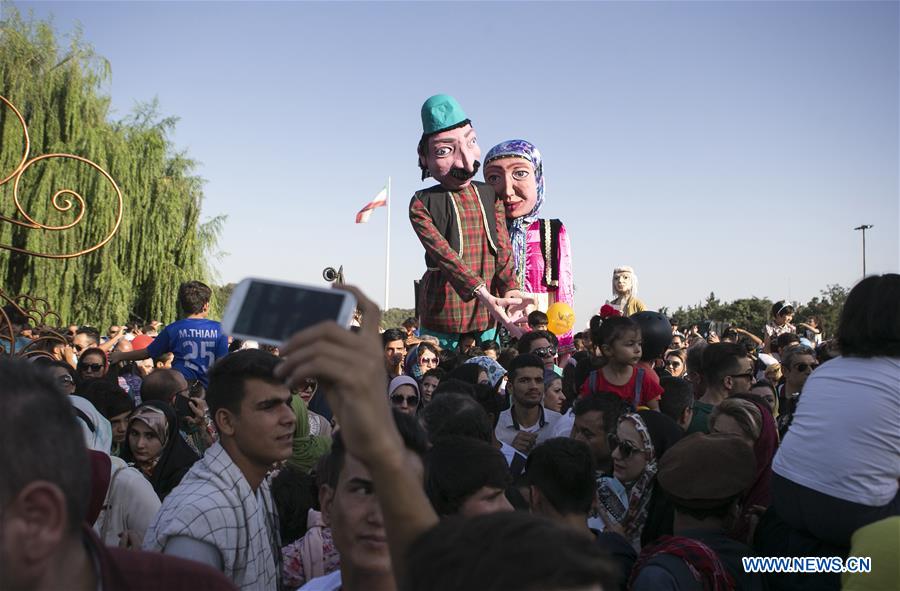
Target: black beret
[[703, 470]]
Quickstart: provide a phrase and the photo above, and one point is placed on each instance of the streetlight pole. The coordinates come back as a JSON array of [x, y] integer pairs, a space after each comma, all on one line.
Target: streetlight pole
[[864, 227]]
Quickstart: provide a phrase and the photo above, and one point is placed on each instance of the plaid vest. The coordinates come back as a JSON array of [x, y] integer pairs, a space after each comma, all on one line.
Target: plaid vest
[[439, 203]]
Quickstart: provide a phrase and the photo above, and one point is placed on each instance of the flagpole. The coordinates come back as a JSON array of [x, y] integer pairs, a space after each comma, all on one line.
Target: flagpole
[[387, 254]]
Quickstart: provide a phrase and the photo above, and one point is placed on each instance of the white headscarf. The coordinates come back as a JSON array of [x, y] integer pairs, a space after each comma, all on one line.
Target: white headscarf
[[97, 430]]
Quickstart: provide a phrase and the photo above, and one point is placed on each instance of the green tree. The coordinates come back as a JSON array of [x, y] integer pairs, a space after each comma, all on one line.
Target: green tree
[[826, 308], [161, 241], [394, 317], [752, 313]]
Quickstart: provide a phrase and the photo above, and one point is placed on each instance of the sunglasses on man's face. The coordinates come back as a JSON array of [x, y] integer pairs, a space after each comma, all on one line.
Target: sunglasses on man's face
[[805, 366], [91, 366], [626, 448], [545, 351], [750, 376], [397, 399]]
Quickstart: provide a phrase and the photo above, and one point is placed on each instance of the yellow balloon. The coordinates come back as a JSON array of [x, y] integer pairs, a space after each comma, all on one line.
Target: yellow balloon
[[561, 318]]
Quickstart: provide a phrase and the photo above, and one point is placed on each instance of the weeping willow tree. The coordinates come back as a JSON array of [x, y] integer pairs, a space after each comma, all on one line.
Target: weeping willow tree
[[161, 241]]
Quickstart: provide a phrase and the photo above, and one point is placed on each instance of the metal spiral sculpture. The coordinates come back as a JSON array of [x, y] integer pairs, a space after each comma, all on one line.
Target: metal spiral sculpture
[[37, 311], [62, 200]]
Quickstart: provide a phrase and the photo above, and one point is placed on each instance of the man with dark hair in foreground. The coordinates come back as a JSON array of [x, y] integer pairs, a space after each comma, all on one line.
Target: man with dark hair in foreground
[[466, 476], [45, 489], [222, 513], [568, 560], [560, 476]]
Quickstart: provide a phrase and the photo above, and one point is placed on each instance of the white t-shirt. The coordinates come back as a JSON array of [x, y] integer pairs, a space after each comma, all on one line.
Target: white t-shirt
[[532, 429], [329, 582], [845, 437]]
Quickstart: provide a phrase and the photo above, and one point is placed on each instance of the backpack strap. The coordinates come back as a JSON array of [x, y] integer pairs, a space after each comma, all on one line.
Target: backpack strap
[[107, 504], [638, 386], [84, 417], [592, 382]]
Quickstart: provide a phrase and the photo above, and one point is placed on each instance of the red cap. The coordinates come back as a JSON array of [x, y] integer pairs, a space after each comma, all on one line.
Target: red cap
[[141, 341]]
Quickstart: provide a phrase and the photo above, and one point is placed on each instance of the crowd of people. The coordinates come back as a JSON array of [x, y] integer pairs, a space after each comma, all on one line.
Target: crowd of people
[[471, 448], [377, 458]]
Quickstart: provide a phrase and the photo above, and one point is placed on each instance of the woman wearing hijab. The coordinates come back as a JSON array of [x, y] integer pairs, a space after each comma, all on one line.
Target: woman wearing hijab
[[156, 448], [403, 391], [541, 250], [319, 426], [420, 359], [121, 505], [308, 448], [470, 373], [640, 440], [493, 370]]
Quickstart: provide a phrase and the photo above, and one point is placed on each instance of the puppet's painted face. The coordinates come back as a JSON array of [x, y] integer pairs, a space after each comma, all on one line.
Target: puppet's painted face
[[622, 282], [514, 182], [452, 156]]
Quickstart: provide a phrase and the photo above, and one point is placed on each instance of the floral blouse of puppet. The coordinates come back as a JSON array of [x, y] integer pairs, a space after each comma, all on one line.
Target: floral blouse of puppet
[[541, 248], [624, 290]]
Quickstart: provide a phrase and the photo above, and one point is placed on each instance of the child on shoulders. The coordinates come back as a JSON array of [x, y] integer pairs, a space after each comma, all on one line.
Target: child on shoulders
[[619, 340], [195, 341]]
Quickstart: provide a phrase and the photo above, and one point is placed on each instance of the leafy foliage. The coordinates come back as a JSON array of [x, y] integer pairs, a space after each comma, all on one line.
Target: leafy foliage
[[161, 241], [752, 313], [827, 309], [394, 317]]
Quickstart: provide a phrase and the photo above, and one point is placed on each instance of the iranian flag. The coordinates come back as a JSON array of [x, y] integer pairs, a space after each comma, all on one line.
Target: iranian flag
[[380, 201]]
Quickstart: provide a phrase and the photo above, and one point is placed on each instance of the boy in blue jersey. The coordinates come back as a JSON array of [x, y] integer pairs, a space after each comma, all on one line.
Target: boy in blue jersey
[[195, 341]]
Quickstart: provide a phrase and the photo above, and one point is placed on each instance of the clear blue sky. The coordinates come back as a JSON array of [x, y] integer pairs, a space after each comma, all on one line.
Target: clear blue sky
[[713, 146]]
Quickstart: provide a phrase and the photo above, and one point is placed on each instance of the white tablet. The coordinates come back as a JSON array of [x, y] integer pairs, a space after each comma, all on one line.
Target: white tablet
[[271, 311]]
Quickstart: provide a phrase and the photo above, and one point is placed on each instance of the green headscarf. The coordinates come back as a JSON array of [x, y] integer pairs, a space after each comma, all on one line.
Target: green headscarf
[[307, 448]]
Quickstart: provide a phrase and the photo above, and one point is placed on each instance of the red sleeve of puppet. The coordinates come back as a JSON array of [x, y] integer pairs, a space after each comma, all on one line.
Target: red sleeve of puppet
[[463, 280], [505, 273]]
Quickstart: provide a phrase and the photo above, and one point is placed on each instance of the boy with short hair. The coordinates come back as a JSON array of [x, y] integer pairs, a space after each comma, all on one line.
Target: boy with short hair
[[538, 320], [195, 341]]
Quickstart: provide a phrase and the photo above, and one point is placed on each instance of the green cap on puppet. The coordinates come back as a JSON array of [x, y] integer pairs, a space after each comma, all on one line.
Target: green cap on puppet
[[441, 112]]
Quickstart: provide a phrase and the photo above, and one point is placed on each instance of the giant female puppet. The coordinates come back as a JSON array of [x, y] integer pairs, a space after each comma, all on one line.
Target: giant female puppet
[[541, 251], [469, 281]]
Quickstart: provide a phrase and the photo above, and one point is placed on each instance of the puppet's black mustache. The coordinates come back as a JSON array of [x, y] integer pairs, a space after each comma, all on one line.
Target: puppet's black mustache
[[463, 174]]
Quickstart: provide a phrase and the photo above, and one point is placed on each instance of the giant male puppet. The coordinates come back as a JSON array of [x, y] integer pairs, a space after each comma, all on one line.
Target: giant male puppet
[[470, 277]]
